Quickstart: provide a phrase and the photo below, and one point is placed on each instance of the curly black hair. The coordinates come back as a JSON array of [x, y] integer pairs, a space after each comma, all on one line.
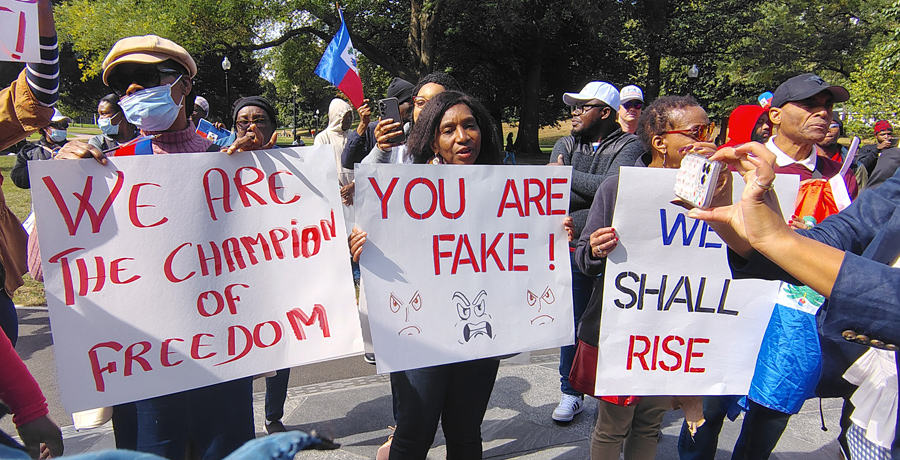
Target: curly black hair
[[444, 79], [423, 134], [657, 117]]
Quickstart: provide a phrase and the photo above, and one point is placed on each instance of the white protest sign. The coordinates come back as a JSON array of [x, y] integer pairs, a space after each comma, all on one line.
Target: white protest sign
[[673, 321], [464, 262], [170, 272], [19, 37]]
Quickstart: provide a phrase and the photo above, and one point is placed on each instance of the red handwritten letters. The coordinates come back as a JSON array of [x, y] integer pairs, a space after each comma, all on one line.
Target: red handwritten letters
[[479, 253], [105, 357], [197, 246]]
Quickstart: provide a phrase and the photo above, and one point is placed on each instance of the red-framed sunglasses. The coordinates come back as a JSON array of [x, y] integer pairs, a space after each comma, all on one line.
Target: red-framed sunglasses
[[702, 133]]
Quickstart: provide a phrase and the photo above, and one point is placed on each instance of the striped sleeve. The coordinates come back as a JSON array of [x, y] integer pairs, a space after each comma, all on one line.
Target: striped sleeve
[[43, 76]]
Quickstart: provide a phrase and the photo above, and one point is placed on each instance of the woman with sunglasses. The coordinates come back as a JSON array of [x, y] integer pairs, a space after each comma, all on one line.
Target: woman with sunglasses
[[669, 128], [452, 128]]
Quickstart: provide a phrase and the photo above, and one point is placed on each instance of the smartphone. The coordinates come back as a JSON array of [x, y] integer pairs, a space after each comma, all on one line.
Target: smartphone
[[390, 108], [696, 180], [210, 132]]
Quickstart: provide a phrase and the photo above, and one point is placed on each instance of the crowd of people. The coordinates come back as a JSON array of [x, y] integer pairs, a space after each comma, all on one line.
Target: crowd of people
[[844, 252]]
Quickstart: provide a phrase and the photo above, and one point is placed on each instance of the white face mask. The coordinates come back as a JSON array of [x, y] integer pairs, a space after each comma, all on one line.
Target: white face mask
[[107, 127], [152, 109], [57, 135]]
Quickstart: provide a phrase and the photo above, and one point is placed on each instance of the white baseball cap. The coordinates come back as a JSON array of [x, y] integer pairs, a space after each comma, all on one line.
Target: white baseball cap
[[202, 102], [57, 117], [595, 90], [631, 93]]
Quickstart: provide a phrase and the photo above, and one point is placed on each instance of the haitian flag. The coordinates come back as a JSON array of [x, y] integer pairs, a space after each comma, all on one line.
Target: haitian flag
[[141, 145], [790, 358], [338, 65]]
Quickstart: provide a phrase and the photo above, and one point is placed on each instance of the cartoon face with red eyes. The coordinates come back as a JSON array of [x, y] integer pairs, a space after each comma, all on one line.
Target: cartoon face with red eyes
[[474, 310], [415, 304], [541, 301]]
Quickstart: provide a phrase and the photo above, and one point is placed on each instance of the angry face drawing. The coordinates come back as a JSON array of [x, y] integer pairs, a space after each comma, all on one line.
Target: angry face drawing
[[542, 301], [415, 303], [472, 316]]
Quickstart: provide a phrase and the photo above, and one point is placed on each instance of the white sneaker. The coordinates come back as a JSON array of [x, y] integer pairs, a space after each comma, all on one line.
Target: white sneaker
[[569, 406]]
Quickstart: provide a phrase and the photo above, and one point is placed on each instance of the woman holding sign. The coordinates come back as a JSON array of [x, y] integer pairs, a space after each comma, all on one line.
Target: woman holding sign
[[669, 128], [453, 128]]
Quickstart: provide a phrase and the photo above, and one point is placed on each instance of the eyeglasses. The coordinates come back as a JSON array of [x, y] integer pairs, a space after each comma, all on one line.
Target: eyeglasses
[[260, 122], [145, 76], [702, 133], [420, 101], [579, 109], [633, 105]]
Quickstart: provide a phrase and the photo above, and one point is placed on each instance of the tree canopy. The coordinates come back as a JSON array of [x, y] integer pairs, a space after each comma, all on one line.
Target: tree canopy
[[518, 56]]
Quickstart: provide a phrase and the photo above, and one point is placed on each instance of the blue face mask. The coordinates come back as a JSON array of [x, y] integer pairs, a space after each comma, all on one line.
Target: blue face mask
[[107, 127], [57, 135], [152, 109]]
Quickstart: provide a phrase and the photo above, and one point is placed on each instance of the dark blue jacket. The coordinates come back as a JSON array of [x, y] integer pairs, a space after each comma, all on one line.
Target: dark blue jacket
[[358, 146], [864, 308]]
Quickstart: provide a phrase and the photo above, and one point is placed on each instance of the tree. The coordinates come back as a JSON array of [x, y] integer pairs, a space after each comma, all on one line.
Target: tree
[[874, 82], [519, 56], [670, 37], [789, 38]]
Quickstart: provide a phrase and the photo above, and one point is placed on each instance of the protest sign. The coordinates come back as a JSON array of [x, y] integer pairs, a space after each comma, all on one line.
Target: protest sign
[[673, 321], [19, 38], [170, 272], [464, 262]]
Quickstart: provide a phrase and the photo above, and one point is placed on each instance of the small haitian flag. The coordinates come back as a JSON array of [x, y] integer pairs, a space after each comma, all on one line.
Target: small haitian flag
[[338, 65], [140, 145]]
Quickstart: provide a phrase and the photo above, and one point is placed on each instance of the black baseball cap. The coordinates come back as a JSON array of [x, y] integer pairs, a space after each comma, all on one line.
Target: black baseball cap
[[803, 86], [401, 89]]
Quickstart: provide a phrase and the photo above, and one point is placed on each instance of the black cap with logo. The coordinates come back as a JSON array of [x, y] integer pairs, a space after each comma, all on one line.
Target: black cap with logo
[[807, 85]]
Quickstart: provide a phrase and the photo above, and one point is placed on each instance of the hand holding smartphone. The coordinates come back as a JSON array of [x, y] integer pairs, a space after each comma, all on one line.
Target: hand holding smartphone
[[696, 180], [390, 108]]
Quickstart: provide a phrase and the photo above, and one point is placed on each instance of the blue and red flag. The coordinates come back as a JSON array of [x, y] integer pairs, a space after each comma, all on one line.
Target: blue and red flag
[[338, 65], [141, 145]]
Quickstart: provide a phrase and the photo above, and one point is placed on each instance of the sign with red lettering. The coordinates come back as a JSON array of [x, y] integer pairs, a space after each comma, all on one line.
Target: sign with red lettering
[[170, 272], [674, 322], [464, 262], [19, 36]]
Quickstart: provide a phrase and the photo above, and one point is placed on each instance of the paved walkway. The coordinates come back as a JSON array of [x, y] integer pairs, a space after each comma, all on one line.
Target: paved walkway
[[356, 412]]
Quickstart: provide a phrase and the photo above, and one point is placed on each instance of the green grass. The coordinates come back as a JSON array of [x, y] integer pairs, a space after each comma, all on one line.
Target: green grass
[[19, 201], [92, 131]]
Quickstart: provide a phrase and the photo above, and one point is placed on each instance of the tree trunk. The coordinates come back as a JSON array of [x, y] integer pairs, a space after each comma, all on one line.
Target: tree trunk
[[422, 25], [656, 23], [651, 92], [529, 114]]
